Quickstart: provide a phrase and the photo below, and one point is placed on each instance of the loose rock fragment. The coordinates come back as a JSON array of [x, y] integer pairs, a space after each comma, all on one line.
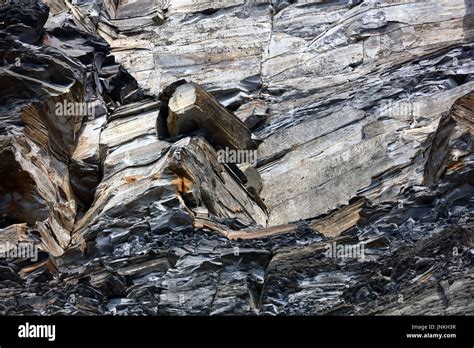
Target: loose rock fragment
[[359, 201], [192, 108]]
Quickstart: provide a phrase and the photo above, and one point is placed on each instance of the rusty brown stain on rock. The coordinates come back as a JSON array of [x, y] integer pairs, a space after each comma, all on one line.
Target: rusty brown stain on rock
[[183, 184], [48, 263], [130, 179], [456, 166]]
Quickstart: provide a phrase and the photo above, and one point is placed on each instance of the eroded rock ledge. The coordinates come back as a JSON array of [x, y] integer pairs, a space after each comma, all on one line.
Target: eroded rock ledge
[[362, 116]]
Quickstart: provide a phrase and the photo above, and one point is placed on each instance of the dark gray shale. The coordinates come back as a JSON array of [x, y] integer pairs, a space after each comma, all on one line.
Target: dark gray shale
[[347, 100]]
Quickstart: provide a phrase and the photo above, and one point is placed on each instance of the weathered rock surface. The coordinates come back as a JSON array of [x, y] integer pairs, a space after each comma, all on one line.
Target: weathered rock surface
[[362, 113]]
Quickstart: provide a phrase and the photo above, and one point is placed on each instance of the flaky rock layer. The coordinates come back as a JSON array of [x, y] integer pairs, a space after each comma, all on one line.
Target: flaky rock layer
[[349, 191]]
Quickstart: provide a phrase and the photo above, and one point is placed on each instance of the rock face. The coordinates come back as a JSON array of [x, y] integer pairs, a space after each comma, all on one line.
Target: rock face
[[264, 157]]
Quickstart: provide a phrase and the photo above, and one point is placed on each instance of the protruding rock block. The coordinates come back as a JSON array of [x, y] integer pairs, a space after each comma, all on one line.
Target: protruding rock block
[[450, 149], [254, 181], [333, 225], [192, 108]]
